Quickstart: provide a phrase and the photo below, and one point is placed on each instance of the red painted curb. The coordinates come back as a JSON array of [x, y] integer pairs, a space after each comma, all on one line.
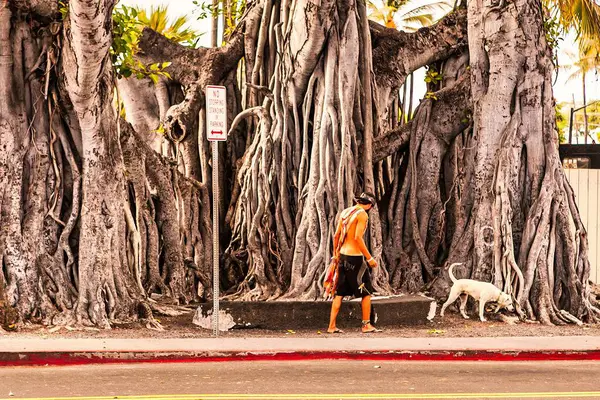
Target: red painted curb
[[81, 358]]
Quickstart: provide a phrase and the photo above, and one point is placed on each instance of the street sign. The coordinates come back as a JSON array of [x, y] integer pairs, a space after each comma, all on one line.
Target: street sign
[[216, 113], [216, 131]]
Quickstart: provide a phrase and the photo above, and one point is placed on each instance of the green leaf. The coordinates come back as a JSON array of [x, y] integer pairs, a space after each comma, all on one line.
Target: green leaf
[[430, 95], [160, 129]]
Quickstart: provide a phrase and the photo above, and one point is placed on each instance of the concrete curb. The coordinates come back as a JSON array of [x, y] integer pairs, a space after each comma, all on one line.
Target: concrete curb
[[28, 351], [105, 357]]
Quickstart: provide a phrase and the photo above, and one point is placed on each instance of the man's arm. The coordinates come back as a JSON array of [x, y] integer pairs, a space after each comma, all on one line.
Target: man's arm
[[359, 232], [336, 238]]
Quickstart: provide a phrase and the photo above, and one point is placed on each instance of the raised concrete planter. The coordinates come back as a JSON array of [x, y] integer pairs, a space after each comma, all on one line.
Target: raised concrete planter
[[389, 311]]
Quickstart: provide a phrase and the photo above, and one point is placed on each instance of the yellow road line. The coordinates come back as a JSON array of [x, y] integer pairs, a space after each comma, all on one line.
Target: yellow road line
[[528, 395]]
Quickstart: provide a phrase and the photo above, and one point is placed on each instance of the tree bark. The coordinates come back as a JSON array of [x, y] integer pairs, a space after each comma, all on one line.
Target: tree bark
[[92, 220], [315, 128], [527, 236], [473, 178], [89, 82]]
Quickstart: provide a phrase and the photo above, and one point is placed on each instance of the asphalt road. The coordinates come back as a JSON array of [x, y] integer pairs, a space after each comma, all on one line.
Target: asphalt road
[[317, 379]]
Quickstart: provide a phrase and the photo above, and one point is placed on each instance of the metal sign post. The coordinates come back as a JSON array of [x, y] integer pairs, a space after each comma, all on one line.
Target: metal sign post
[[215, 178], [216, 131]]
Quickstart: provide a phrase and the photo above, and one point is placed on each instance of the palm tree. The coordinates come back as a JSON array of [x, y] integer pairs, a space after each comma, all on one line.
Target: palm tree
[[581, 15], [158, 20]]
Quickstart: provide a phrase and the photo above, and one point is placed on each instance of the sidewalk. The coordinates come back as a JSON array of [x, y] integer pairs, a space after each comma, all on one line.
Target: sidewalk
[[87, 351]]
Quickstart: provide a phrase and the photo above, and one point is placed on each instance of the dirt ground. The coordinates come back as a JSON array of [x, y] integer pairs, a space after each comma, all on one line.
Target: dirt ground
[[181, 327]]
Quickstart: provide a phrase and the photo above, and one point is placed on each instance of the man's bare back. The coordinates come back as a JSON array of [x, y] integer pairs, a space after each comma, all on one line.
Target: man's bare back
[[353, 244], [356, 230]]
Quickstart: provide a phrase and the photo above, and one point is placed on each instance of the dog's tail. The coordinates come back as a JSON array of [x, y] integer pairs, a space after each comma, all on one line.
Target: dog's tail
[[450, 271]]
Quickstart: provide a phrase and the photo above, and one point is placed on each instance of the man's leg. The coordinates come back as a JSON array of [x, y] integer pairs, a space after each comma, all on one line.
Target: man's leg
[[366, 308], [366, 315], [335, 309]]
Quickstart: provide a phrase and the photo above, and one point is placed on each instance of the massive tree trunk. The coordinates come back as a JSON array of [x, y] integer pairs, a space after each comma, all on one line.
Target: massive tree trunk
[[482, 181], [315, 132], [92, 220], [104, 281], [473, 178], [527, 234]]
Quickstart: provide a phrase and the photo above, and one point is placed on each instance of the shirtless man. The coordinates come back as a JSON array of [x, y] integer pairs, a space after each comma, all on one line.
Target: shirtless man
[[353, 279]]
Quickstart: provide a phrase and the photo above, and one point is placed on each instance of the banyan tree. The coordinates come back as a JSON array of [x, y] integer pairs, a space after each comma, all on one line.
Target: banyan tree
[[103, 211]]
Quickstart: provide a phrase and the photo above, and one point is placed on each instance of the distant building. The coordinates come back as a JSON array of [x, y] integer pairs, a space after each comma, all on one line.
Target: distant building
[[582, 169], [580, 156]]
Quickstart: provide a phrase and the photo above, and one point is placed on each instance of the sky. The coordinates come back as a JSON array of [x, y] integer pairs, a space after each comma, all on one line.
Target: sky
[[563, 90]]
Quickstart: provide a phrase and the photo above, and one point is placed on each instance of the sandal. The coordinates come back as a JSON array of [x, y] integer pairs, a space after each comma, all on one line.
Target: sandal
[[372, 330], [336, 330]]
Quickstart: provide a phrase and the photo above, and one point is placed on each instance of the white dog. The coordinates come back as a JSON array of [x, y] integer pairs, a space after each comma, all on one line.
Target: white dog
[[483, 292]]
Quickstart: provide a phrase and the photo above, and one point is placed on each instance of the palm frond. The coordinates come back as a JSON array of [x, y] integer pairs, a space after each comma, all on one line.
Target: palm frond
[[590, 18], [418, 21], [179, 23], [158, 20], [575, 75], [408, 15], [581, 15], [376, 13], [406, 11], [589, 46], [411, 17]]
